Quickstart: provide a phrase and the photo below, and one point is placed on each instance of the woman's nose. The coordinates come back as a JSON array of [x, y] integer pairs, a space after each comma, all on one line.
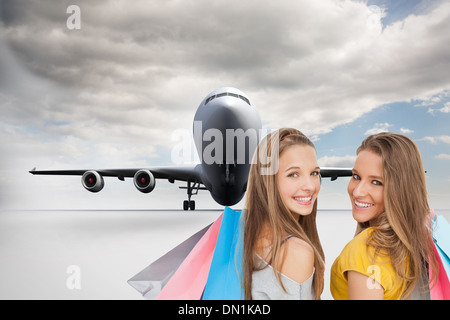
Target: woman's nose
[[308, 185], [360, 190]]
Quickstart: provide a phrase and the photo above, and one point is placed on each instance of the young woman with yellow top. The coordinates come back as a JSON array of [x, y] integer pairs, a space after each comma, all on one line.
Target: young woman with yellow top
[[389, 257]]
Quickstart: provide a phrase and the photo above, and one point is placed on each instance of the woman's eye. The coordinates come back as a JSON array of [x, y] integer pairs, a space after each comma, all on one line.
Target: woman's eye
[[315, 173], [293, 175], [377, 183], [356, 177]]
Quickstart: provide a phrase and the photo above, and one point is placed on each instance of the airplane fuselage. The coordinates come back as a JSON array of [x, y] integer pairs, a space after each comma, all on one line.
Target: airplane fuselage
[[227, 130]]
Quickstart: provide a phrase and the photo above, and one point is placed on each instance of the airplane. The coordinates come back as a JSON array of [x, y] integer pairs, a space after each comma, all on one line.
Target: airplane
[[224, 117]]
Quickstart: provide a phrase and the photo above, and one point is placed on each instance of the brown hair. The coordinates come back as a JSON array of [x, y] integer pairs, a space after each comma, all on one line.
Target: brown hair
[[264, 206], [402, 229]]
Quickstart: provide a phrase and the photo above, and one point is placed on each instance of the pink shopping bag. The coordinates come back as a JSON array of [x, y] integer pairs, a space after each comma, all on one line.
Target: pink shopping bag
[[150, 281], [189, 281], [441, 290]]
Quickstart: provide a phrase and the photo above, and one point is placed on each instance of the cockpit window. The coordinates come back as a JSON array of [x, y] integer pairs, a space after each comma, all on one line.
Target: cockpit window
[[245, 99], [227, 94], [209, 99]]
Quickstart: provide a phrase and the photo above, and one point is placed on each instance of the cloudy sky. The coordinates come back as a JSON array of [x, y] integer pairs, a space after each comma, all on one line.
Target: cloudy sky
[[112, 93]]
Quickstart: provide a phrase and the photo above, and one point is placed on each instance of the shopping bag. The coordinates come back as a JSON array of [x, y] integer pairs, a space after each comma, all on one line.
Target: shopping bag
[[150, 281], [441, 248], [441, 237], [188, 282], [441, 289], [225, 274]]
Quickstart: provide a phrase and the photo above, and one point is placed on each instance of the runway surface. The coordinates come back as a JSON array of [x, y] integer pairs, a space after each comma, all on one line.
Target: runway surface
[[71, 254]]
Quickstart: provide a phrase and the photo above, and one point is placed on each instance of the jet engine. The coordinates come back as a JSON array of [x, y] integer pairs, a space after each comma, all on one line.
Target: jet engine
[[144, 181], [92, 181]]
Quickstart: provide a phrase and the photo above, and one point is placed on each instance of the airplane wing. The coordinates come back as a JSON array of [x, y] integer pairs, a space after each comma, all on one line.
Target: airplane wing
[[334, 173], [144, 179], [182, 173]]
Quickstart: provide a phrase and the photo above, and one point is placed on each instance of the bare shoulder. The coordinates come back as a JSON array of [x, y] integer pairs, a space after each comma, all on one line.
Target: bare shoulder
[[299, 260]]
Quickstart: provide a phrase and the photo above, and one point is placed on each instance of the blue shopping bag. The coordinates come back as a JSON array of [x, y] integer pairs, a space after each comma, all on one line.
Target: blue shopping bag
[[441, 248], [225, 274], [441, 237]]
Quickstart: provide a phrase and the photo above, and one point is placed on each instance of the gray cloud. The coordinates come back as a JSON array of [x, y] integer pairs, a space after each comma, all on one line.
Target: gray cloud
[[136, 71]]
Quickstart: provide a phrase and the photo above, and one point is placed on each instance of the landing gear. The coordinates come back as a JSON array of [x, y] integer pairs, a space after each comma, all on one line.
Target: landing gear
[[188, 204], [192, 189]]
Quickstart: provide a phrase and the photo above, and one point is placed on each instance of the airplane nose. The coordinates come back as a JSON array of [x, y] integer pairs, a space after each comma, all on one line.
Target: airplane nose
[[238, 115], [229, 112], [228, 108], [227, 129]]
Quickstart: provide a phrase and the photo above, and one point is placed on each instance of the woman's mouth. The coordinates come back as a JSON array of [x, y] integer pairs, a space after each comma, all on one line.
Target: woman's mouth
[[362, 205], [304, 200]]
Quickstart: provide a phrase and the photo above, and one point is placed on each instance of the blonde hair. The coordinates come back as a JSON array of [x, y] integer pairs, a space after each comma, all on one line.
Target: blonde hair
[[264, 206], [402, 230]]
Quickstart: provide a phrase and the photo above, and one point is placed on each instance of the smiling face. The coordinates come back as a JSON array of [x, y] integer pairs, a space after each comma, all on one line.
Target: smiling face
[[366, 188], [298, 178]]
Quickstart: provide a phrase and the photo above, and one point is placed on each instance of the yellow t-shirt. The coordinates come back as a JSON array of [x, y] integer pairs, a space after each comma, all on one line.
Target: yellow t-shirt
[[358, 256]]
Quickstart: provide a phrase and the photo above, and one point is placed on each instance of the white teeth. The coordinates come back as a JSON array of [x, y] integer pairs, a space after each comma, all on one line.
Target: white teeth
[[303, 199], [363, 204]]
